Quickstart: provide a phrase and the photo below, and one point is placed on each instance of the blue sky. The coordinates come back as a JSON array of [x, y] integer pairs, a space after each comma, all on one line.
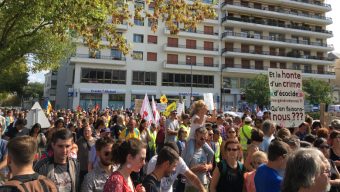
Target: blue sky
[[334, 14]]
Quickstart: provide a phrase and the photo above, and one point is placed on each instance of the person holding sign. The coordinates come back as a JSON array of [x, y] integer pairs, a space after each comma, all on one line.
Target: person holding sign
[[198, 119]]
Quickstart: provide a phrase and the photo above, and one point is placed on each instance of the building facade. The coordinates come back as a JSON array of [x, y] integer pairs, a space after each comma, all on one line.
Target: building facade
[[219, 56]]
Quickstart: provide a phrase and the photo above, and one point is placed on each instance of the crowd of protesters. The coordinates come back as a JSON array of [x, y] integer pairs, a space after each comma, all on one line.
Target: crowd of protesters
[[114, 150]]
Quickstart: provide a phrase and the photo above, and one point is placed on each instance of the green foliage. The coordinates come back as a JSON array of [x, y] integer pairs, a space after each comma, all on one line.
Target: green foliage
[[317, 91], [35, 90], [43, 29], [13, 78], [257, 91]]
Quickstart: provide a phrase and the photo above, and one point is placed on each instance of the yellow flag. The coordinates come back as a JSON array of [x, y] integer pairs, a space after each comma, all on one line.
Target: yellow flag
[[163, 99], [169, 108]]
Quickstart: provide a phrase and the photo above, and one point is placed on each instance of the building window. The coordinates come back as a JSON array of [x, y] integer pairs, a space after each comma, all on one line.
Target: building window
[[190, 44], [116, 54], [208, 61], [283, 66], [152, 22], [245, 64], [321, 69], [138, 38], [139, 3], [307, 68], [273, 64], [152, 39], [209, 30], [184, 80], [230, 82], [151, 56], [137, 55], [190, 60], [296, 66], [172, 42], [144, 78], [138, 22], [172, 59], [229, 46], [258, 65], [208, 45], [107, 76], [229, 62]]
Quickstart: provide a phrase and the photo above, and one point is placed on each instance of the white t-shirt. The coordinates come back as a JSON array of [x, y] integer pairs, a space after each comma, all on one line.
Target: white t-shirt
[[194, 126], [167, 182]]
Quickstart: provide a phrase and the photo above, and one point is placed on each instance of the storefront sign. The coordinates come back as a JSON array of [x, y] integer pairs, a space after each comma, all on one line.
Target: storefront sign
[[286, 97], [109, 91]]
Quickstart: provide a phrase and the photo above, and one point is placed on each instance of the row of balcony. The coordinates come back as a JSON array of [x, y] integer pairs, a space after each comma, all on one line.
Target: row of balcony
[[278, 10], [194, 64], [192, 47], [275, 23], [313, 3], [274, 38], [274, 53], [265, 68], [99, 56]]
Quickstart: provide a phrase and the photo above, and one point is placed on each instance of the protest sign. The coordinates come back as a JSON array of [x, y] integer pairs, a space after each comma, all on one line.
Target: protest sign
[[180, 108], [138, 105], [161, 107], [286, 97], [209, 100]]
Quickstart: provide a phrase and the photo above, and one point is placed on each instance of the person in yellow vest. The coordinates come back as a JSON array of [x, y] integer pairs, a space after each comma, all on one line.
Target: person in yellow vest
[[185, 125], [152, 141], [131, 131], [245, 133]]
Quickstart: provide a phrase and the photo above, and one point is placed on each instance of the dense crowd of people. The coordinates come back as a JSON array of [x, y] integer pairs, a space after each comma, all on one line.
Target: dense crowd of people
[[114, 150]]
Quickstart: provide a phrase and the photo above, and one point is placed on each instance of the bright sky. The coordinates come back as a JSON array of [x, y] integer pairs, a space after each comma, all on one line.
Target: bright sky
[[335, 27]]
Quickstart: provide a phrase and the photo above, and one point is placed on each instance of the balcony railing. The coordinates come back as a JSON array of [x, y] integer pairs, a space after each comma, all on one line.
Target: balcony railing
[[275, 53], [278, 10], [301, 1], [263, 68], [274, 23], [197, 31], [193, 64], [313, 3], [273, 38], [100, 57], [197, 48]]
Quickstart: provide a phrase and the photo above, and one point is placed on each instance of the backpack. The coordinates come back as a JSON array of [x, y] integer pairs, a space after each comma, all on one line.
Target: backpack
[[38, 183]]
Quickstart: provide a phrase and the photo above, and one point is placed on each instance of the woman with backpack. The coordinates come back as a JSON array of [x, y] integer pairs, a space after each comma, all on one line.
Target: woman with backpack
[[228, 174]]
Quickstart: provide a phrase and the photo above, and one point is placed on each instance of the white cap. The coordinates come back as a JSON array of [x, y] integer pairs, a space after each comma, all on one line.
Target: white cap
[[248, 119]]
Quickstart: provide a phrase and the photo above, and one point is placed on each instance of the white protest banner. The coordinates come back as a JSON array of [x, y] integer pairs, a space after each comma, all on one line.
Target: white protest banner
[[209, 100], [161, 107], [286, 97], [180, 108], [138, 105]]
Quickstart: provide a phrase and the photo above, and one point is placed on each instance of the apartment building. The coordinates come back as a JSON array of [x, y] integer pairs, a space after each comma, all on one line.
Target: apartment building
[[218, 57]]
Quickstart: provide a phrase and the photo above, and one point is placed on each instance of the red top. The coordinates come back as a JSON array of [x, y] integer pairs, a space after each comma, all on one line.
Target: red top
[[117, 183]]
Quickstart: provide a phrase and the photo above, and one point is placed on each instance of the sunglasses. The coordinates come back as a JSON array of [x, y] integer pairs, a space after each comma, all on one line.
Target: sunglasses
[[232, 149]]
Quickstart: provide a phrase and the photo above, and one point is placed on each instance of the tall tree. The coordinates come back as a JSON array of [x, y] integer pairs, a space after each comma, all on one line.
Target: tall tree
[[317, 91], [34, 90], [42, 30], [13, 78], [257, 91]]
